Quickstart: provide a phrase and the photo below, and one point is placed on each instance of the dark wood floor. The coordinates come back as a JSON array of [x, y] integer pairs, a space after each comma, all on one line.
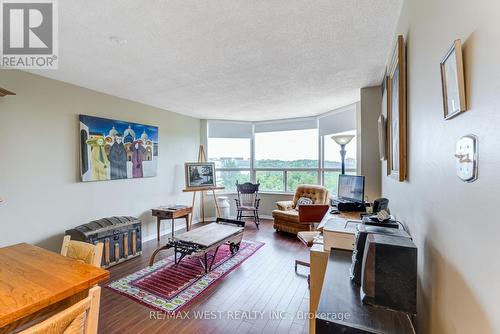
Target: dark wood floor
[[264, 284]]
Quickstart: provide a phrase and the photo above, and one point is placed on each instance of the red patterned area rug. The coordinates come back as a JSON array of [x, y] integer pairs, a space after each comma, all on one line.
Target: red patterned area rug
[[169, 287]]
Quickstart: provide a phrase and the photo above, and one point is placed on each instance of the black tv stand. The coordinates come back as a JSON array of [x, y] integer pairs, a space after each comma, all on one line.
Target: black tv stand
[[341, 310]]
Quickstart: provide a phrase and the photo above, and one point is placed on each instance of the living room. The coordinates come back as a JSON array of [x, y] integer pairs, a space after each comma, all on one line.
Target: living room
[[187, 167]]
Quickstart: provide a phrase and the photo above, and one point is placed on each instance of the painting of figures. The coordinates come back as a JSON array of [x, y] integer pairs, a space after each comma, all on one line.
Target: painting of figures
[[112, 150]]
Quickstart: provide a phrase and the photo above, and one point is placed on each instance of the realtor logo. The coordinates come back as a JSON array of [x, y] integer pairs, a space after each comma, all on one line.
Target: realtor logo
[[29, 34]]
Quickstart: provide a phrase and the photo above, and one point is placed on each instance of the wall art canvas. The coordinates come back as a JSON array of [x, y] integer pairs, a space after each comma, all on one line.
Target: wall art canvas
[[200, 174], [112, 149], [453, 81]]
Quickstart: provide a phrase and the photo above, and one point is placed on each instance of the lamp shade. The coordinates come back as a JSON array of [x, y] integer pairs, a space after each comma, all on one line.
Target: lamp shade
[[343, 139]]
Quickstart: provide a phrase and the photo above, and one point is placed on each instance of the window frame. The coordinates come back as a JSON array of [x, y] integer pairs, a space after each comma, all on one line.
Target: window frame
[[320, 170]]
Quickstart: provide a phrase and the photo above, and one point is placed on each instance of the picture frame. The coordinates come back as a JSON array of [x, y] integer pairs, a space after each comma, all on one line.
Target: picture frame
[[113, 149], [382, 137], [396, 114], [453, 81], [200, 175]]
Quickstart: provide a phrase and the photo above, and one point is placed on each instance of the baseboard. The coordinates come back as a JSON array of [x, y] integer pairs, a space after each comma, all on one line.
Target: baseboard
[[234, 217], [167, 232], [195, 221]]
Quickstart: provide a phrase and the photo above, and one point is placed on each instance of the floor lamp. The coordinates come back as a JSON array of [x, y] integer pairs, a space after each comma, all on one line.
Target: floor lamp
[[343, 140]]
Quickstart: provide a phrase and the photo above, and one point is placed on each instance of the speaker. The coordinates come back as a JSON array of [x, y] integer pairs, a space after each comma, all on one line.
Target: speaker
[[389, 273], [362, 231]]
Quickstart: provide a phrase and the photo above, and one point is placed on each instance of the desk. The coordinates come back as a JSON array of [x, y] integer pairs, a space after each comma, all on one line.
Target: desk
[[318, 259], [36, 283], [341, 310], [166, 213]]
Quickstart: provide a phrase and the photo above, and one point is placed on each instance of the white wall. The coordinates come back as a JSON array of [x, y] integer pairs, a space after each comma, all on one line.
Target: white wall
[[454, 224], [369, 161], [39, 161]]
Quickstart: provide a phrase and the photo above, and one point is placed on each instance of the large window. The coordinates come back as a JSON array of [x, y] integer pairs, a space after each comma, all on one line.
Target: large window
[[279, 153], [232, 160], [287, 149], [282, 155]]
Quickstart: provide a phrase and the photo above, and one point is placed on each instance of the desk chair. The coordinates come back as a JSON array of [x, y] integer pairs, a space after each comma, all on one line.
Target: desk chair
[[309, 215]]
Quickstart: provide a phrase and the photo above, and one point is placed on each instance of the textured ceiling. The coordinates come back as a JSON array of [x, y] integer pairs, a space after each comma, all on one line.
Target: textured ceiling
[[227, 59]]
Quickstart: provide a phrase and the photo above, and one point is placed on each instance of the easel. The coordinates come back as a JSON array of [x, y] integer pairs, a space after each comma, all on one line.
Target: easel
[[202, 158]]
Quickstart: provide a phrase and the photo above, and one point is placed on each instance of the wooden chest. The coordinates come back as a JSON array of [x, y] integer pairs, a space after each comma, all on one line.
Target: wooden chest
[[121, 237]]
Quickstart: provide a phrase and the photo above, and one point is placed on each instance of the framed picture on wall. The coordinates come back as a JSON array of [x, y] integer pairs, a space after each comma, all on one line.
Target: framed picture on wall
[[396, 114], [112, 149], [382, 137], [200, 174], [453, 82]]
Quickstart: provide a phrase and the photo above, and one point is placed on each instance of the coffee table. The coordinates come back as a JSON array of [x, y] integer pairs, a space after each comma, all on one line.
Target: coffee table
[[203, 240]]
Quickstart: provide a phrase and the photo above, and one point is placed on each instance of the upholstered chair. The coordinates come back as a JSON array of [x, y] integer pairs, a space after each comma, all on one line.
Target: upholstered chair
[[286, 216], [82, 251]]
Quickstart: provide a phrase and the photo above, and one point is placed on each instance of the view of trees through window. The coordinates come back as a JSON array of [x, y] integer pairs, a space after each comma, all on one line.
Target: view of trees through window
[[282, 160]]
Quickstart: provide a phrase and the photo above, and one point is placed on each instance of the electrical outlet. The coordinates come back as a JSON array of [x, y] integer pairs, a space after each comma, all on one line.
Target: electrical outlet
[[466, 158]]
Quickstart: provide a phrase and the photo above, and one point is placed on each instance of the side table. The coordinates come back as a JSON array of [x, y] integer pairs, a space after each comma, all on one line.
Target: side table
[[165, 212]]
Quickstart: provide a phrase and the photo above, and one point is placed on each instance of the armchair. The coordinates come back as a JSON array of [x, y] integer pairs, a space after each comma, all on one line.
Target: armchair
[[286, 217]]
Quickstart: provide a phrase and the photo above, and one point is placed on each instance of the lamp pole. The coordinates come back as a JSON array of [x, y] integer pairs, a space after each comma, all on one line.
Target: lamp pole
[[342, 156], [343, 140]]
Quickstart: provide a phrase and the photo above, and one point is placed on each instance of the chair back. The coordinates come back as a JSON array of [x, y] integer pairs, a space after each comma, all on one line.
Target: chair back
[[82, 251], [247, 193], [81, 317], [318, 194], [312, 213]]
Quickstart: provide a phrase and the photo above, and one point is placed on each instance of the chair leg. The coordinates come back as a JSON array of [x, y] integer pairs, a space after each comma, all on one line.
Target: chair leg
[[302, 263], [256, 219]]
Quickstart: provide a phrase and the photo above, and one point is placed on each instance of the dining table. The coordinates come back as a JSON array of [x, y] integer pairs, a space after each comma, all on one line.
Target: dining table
[[36, 283]]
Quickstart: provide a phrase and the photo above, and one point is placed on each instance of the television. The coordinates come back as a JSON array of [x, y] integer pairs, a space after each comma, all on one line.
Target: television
[[351, 188]]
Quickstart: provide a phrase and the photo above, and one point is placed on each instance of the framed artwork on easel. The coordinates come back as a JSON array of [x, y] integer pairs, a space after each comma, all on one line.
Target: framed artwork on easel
[[396, 114], [200, 177], [200, 174]]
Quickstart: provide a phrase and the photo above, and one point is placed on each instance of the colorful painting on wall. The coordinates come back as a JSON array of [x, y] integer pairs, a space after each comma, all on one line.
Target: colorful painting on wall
[[112, 150]]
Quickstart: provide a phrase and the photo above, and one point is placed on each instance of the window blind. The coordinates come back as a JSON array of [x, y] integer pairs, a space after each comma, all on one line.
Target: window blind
[[341, 121], [218, 129]]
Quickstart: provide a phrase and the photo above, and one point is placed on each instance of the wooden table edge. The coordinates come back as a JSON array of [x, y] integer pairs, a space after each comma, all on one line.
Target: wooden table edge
[[22, 312]]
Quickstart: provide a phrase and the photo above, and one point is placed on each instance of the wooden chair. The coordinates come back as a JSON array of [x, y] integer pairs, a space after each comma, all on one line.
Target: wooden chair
[[310, 215], [81, 317], [82, 251], [248, 201]]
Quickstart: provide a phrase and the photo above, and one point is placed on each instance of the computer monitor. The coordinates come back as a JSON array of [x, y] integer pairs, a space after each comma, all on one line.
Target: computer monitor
[[351, 188]]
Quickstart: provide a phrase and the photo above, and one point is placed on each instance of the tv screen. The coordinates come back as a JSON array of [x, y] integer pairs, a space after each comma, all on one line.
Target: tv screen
[[352, 188]]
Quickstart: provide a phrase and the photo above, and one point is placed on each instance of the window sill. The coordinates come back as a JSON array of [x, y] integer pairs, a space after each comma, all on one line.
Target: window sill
[[229, 193]]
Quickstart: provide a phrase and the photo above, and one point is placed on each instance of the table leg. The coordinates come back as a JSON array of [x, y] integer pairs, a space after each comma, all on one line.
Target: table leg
[[152, 258], [188, 226], [158, 223], [173, 227], [202, 205], [216, 204], [192, 205]]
